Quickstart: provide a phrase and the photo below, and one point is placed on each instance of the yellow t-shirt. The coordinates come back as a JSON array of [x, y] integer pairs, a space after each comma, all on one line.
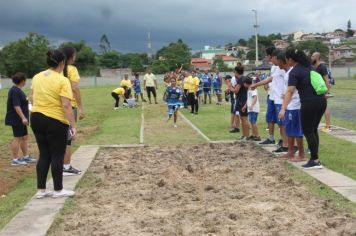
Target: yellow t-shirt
[[126, 83], [48, 87], [150, 80], [194, 84], [73, 76], [187, 82], [119, 91]]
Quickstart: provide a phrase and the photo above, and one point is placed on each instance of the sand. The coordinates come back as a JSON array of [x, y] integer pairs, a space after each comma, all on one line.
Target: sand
[[208, 189]]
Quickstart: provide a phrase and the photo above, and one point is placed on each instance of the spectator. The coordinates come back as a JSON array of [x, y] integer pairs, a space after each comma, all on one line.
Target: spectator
[[116, 93], [150, 85]]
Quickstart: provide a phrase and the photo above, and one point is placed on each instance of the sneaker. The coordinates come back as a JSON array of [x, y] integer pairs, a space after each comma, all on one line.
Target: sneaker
[[280, 143], [175, 125], [281, 150], [116, 108], [268, 141], [28, 159], [125, 104], [235, 130], [295, 150], [18, 162], [71, 171], [250, 138], [42, 194], [325, 129], [243, 138], [63, 193], [257, 139], [144, 100], [312, 164]]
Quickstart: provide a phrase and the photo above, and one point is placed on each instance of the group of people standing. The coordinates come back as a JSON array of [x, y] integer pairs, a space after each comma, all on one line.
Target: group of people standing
[[54, 103]]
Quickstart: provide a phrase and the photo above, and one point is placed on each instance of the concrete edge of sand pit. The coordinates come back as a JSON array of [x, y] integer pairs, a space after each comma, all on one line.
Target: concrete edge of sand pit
[[38, 214]]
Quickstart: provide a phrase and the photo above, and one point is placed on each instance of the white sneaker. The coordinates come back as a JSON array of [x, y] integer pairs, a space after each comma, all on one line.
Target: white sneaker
[[63, 193], [116, 108], [175, 126], [42, 194]]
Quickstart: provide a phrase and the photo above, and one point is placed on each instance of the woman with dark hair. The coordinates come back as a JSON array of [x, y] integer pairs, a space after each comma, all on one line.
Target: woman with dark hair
[[71, 72], [51, 117], [312, 105]]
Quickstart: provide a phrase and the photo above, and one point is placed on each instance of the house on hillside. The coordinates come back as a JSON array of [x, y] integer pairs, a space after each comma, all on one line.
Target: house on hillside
[[344, 51], [210, 52], [280, 44], [229, 61], [201, 63]]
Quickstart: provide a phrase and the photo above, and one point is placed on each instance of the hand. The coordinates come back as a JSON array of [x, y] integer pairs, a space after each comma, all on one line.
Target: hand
[[281, 115], [250, 108], [25, 121], [73, 132], [81, 115], [244, 109]]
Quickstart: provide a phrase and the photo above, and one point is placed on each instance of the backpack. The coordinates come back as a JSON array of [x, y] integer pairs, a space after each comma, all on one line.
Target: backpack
[[318, 83], [331, 78]]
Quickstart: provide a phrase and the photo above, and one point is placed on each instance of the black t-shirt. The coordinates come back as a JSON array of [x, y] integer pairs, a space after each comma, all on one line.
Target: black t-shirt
[[322, 70], [16, 97], [241, 96], [299, 77]]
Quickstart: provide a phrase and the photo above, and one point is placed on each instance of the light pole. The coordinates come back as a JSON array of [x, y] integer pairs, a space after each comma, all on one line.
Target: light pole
[[256, 36]]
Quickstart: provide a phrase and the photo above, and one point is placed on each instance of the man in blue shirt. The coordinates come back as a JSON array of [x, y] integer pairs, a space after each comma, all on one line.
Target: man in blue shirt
[[137, 87], [217, 82], [173, 97], [206, 86]]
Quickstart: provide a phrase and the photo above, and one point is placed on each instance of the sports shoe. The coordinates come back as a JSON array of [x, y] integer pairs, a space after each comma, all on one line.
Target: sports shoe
[[250, 138], [235, 130], [268, 141], [257, 139], [116, 108], [18, 162], [280, 143], [312, 164], [243, 138], [175, 125], [281, 150], [28, 159], [42, 194], [71, 171], [63, 193], [325, 129]]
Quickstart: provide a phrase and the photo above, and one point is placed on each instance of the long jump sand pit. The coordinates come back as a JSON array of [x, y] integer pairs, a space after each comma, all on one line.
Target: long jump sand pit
[[209, 189]]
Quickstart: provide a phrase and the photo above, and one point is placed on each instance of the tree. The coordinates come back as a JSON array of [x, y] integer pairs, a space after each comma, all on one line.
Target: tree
[[110, 59], [27, 55], [104, 44], [242, 42], [312, 46], [218, 63], [349, 31], [175, 54], [159, 67]]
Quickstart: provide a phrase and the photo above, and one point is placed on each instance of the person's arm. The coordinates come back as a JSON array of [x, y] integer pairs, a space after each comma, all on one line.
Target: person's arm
[[78, 99], [68, 112], [30, 96], [326, 79], [21, 115], [156, 84], [261, 83], [287, 98], [144, 83], [236, 89], [220, 78]]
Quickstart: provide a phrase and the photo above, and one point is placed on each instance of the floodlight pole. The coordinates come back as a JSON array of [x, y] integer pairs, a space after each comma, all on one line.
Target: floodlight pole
[[256, 36]]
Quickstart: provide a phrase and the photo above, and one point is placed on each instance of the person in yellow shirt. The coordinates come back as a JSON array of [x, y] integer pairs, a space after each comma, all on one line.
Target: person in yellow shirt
[[116, 93], [125, 82], [52, 121], [193, 82], [71, 72]]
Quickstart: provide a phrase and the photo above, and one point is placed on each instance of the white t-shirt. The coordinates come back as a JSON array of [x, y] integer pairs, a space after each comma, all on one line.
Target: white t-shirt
[[233, 84], [278, 85], [149, 78], [294, 104], [273, 69], [250, 94]]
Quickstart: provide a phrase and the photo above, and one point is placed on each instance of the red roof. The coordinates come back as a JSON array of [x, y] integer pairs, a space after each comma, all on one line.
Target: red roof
[[227, 58], [201, 60]]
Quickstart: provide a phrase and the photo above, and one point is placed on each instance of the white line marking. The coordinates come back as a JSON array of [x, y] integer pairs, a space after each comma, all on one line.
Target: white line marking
[[194, 127], [142, 130]]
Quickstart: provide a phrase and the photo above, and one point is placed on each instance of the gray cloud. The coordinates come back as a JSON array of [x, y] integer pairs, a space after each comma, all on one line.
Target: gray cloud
[[198, 23]]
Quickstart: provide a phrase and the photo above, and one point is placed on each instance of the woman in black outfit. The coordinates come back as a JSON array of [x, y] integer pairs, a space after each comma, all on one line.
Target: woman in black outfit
[[312, 105]]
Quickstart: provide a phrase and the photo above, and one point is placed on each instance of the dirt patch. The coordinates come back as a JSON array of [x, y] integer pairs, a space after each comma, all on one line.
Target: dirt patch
[[210, 189]]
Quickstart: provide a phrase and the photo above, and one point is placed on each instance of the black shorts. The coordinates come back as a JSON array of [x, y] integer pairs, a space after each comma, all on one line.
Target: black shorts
[[69, 137], [19, 131], [151, 90], [239, 109]]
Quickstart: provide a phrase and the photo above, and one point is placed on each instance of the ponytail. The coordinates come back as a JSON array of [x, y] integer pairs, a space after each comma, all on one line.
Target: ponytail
[[54, 57], [298, 56], [68, 52]]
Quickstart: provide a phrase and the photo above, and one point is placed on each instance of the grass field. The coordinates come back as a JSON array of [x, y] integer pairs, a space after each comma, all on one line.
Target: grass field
[[103, 125]]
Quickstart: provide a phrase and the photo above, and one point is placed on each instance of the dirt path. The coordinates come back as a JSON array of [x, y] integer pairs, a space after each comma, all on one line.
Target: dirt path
[[206, 189]]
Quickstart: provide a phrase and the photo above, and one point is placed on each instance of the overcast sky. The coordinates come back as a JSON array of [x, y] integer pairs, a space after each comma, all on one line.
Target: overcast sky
[[198, 23]]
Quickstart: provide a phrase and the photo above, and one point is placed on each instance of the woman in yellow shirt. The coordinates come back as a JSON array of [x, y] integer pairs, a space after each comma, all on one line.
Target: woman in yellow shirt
[[116, 93], [125, 82], [51, 116]]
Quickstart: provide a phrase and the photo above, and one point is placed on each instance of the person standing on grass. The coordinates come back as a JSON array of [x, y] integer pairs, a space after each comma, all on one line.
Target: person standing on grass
[[235, 116], [17, 115], [323, 71], [206, 86], [173, 97], [52, 121], [116, 93], [253, 108], [217, 83], [150, 85], [71, 72], [137, 88], [312, 105], [193, 93], [125, 82], [294, 130]]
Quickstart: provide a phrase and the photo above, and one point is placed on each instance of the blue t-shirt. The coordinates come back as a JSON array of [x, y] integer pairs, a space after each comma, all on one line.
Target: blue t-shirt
[[216, 82], [299, 77], [16, 97], [137, 85], [173, 94], [206, 81]]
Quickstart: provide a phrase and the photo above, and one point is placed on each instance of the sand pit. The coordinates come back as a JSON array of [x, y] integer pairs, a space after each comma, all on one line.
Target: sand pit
[[209, 189]]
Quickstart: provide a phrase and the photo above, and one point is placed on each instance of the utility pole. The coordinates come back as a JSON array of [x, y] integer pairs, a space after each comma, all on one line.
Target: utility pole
[[256, 36], [149, 44]]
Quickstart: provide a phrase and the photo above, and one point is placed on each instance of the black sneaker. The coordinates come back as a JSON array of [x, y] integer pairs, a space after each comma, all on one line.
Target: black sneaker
[[312, 164], [295, 149], [268, 141], [251, 137], [235, 130], [281, 150], [71, 171], [257, 139], [280, 143]]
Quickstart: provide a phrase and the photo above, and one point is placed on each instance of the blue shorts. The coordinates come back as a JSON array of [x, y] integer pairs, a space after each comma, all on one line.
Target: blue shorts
[[271, 112], [207, 90], [138, 92], [277, 109], [217, 91], [252, 117], [233, 106], [173, 107], [293, 123]]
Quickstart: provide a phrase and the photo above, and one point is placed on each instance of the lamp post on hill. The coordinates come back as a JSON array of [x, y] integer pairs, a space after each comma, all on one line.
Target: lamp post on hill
[[256, 36]]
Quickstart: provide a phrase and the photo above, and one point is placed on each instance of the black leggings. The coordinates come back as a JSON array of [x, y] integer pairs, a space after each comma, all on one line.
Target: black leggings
[[193, 101], [151, 90], [127, 93], [311, 113], [51, 137], [117, 98]]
